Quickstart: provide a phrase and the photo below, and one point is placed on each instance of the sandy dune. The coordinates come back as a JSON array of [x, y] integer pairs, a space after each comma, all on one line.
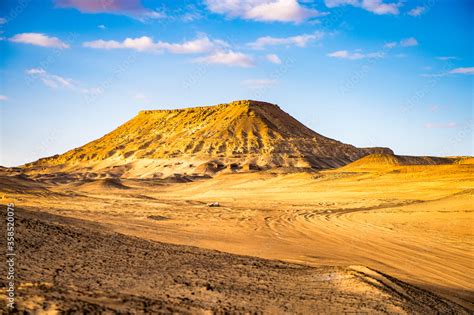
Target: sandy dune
[[413, 223]]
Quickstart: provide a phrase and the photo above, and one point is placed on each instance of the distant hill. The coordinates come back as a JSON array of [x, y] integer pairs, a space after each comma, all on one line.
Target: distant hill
[[389, 161], [242, 135]]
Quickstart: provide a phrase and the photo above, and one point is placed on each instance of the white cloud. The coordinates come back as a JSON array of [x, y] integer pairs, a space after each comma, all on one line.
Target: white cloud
[[378, 7], [408, 42], [433, 75], [374, 6], [390, 45], [273, 59], [102, 26], [103, 44], [58, 82], [344, 54], [258, 83], [191, 13], [199, 45], [445, 58], [417, 11], [3, 21], [337, 3], [3, 98], [39, 39], [131, 8], [263, 10], [228, 58], [35, 71], [139, 44], [152, 15], [50, 80], [465, 70], [299, 40], [441, 126]]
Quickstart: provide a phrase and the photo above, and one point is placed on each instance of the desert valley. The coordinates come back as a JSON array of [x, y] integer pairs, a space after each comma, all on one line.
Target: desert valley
[[241, 208]]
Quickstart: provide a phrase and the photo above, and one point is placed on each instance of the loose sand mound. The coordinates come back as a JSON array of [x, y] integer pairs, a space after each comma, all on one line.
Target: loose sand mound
[[389, 161], [101, 271], [175, 179], [102, 184]]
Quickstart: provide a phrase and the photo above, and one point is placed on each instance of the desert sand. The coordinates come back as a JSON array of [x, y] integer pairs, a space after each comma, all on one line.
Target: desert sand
[[320, 226], [105, 272], [413, 223]]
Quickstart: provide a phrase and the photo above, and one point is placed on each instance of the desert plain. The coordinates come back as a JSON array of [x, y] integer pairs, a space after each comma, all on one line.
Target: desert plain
[[382, 234]]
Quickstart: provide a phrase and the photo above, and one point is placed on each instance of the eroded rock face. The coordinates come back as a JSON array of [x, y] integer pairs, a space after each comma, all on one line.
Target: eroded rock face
[[210, 139]]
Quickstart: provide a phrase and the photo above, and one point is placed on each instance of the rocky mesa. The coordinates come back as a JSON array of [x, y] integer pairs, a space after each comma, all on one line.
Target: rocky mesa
[[238, 136]]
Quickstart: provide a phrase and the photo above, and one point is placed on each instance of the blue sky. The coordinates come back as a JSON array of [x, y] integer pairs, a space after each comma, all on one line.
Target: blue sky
[[366, 72]]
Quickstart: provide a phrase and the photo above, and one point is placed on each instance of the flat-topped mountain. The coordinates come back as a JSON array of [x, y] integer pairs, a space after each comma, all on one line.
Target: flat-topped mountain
[[239, 135]]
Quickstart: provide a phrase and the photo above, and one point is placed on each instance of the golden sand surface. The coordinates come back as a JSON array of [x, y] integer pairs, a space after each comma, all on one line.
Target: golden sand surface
[[412, 222]]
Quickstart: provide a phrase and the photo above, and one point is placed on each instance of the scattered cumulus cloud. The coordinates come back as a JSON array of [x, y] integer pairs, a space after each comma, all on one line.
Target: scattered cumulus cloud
[[446, 58], [408, 42], [132, 8], [191, 16], [263, 10], [417, 11], [462, 71], [299, 40], [258, 83], [375, 6], [356, 55], [273, 59], [189, 13], [228, 58], [3, 98], [54, 81], [39, 39], [50, 80], [35, 71], [146, 44], [441, 126], [465, 70], [101, 26], [218, 50], [103, 44], [433, 75], [3, 21], [390, 45]]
